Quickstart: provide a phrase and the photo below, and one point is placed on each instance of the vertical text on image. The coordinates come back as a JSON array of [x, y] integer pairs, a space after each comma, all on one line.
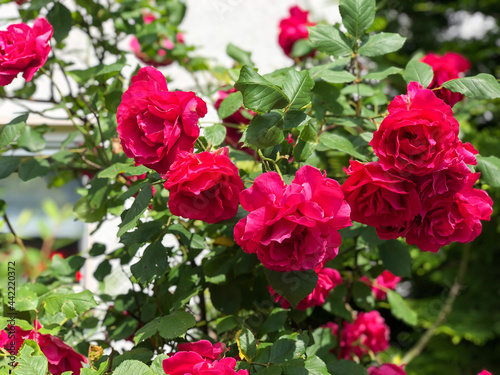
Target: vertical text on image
[[11, 313]]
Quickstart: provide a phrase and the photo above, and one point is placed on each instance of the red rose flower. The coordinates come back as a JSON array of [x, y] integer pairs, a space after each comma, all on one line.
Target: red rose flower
[[292, 227], [61, 356], [4, 338], [20, 2], [378, 197], [386, 280], [387, 369], [450, 66], [293, 29], [155, 124], [204, 186], [367, 333], [447, 219], [24, 50], [328, 278], [200, 358], [484, 372], [233, 135], [419, 136]]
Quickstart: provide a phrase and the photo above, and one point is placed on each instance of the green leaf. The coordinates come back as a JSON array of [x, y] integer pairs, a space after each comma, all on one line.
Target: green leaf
[[335, 303], [294, 286], [30, 140], [489, 167], [132, 367], [359, 89], [265, 130], [8, 165], [133, 214], [384, 73], [240, 55], [400, 309], [315, 366], [9, 131], [230, 105], [86, 213], [417, 71], [302, 47], [380, 44], [77, 302], [271, 370], [176, 324], [102, 270], [297, 86], [100, 70], [26, 299], [363, 296], [154, 263], [283, 350], [32, 168], [60, 18], [215, 134], [148, 330], [31, 360], [191, 240], [481, 86], [258, 93], [337, 142], [246, 344], [336, 76], [226, 297], [396, 257], [330, 40], [306, 144], [226, 323], [357, 15], [157, 365], [294, 119], [128, 169], [345, 367]]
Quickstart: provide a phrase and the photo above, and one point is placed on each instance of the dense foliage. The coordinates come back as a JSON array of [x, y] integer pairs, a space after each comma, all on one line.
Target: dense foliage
[[337, 219]]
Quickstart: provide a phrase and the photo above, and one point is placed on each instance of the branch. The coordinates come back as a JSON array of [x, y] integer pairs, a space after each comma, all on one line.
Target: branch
[[445, 310]]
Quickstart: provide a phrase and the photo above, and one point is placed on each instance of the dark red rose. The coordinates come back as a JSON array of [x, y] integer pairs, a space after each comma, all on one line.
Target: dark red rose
[[378, 197], [386, 280], [204, 186], [24, 50], [448, 219], [292, 227], [450, 66], [419, 136], [155, 124], [293, 29]]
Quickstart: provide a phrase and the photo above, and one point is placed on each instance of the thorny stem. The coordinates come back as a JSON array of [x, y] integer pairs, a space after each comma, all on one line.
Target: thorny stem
[[445, 310]]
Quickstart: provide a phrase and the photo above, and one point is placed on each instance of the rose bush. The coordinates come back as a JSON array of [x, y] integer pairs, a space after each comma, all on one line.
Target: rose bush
[[284, 258]]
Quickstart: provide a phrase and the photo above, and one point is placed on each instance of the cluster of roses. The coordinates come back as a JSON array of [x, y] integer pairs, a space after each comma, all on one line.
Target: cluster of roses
[[61, 357], [421, 186]]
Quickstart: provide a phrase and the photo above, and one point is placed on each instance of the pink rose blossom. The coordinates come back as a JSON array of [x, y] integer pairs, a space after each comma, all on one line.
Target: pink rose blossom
[[155, 124], [378, 197], [201, 358], [204, 186], [293, 29], [24, 49], [450, 66], [387, 369], [328, 279], [419, 136], [386, 280], [61, 356], [367, 333], [292, 227], [484, 372]]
